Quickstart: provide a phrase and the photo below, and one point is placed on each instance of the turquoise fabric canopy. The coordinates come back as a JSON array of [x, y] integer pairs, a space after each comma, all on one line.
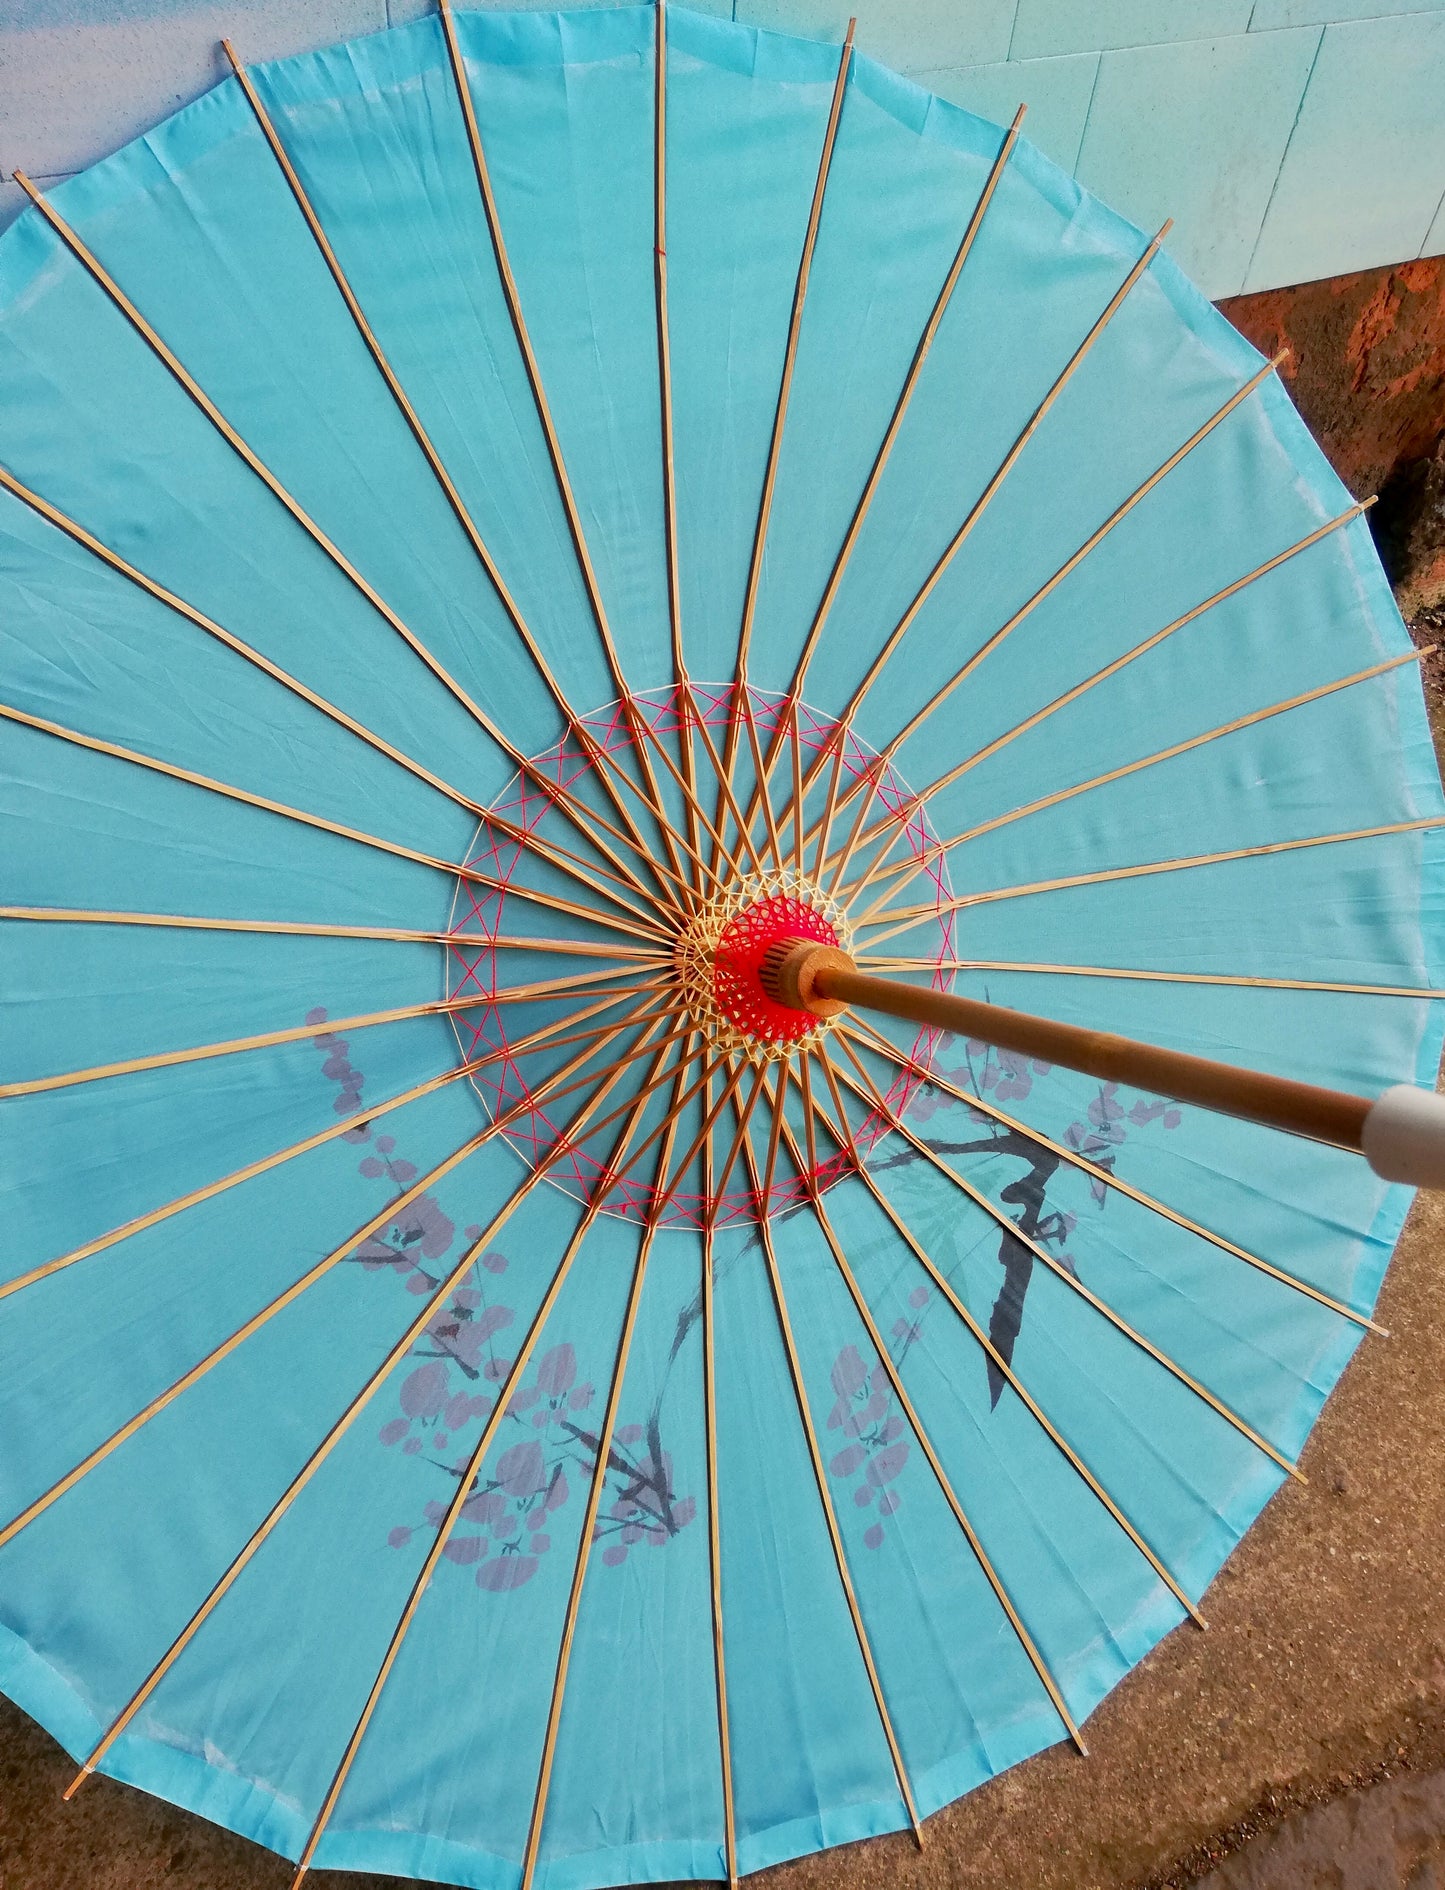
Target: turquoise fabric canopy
[[497, 525]]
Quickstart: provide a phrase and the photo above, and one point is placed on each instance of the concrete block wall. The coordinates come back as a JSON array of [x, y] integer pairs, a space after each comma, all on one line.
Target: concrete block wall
[[1289, 139]]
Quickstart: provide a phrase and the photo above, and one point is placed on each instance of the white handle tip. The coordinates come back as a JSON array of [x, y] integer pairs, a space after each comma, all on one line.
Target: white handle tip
[[1404, 1136]]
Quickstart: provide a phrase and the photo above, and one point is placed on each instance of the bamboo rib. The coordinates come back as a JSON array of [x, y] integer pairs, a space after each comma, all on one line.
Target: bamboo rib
[[729, 795], [552, 1086], [524, 340], [324, 1449], [714, 1529], [273, 1039], [691, 799], [566, 948], [453, 1511], [232, 1046], [905, 396], [589, 1521], [750, 722], [910, 915], [844, 1133], [644, 928], [393, 383], [599, 753], [1039, 1252], [461, 941], [508, 601], [252, 1325], [941, 1477], [1199, 741], [910, 867], [678, 1035], [559, 856], [863, 786], [649, 791], [642, 735], [608, 1179], [347, 1125], [506, 1053], [208, 407], [770, 1160], [1010, 1377], [810, 1108], [1142, 649], [830, 805], [662, 1189], [113, 560], [714, 1205], [263, 802], [790, 356], [1069, 565], [1171, 753], [691, 803], [890, 436], [570, 863], [549, 989], [576, 808], [1010, 460], [1128, 973], [820, 1476], [780, 410], [662, 1128], [1108, 1179], [795, 743], [664, 339], [957, 773], [548, 1037], [681, 680], [1115, 517], [975, 513], [544, 412], [711, 1116]]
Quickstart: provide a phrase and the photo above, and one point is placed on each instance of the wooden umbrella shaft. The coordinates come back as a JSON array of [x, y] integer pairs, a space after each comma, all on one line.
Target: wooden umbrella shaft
[[1327, 1115]]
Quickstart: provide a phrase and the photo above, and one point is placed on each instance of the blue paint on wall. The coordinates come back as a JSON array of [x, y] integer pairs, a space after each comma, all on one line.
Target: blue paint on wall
[[1289, 139]]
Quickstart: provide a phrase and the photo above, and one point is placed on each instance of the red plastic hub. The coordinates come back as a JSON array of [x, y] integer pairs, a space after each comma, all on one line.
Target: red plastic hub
[[738, 959]]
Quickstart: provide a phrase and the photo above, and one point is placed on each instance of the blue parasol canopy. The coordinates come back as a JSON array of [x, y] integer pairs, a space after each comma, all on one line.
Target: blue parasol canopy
[[501, 523]]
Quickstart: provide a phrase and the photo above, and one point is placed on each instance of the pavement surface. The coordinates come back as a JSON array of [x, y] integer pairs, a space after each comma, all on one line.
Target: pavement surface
[[1392, 1834]]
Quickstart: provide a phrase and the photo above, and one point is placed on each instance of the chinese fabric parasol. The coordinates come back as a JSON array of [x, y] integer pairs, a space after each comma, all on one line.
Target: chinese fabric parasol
[[506, 526]]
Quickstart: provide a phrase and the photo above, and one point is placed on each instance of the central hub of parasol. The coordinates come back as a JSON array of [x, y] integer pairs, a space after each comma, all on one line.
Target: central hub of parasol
[[727, 956]]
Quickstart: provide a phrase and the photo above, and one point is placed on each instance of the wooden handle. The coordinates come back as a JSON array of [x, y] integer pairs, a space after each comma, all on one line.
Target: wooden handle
[[1326, 1115]]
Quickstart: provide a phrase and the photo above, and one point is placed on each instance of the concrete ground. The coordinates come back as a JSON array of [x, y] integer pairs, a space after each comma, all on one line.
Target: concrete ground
[[1297, 1745], [1390, 1833]]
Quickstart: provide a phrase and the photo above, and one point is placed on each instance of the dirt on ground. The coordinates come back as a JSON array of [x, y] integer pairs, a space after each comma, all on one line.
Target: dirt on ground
[[1364, 358], [1391, 1833], [1364, 361]]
